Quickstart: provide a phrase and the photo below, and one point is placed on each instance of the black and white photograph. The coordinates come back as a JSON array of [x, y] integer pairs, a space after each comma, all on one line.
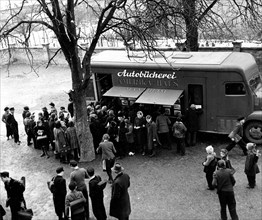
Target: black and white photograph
[[131, 109]]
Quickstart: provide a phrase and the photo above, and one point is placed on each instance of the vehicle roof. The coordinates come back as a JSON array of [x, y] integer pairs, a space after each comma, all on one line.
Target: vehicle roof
[[220, 61]]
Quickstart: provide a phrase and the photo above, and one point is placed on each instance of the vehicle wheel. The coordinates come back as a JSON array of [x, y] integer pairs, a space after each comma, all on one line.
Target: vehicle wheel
[[253, 132]]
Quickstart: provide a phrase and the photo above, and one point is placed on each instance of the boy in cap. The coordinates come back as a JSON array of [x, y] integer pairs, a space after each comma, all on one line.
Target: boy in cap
[[59, 193], [4, 119], [120, 207], [251, 167], [224, 181], [236, 136], [96, 187]]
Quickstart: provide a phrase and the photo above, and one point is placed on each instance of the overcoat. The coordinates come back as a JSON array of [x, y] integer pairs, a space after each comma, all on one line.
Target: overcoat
[[97, 197], [120, 202], [151, 135]]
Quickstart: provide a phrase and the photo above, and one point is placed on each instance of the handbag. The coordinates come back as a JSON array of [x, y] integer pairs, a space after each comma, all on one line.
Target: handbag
[[50, 185], [77, 206], [25, 214]]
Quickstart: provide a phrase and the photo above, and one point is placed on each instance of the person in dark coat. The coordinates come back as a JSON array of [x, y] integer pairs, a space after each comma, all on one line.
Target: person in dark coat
[[26, 109], [152, 137], [72, 139], [15, 197], [96, 187], [236, 136], [29, 128], [251, 167], [120, 207], [192, 124], [51, 126], [14, 125], [224, 180], [179, 133], [96, 129], [121, 146], [70, 108], [40, 132], [8, 126], [45, 114], [130, 139], [59, 193], [139, 131]]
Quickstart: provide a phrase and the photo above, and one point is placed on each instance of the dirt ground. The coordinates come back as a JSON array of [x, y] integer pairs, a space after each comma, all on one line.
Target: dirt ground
[[165, 187]]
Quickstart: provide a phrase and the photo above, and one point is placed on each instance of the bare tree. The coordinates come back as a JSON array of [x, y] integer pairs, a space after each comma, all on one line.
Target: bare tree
[[59, 17]]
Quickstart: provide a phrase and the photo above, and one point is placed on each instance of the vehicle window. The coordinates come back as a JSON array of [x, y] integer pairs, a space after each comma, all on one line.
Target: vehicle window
[[235, 89], [195, 95]]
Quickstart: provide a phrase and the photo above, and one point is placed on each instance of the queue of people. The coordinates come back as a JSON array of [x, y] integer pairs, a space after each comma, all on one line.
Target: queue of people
[[49, 130]]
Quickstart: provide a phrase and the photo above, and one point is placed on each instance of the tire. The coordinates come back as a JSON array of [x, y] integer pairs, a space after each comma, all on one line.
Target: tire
[[253, 132]]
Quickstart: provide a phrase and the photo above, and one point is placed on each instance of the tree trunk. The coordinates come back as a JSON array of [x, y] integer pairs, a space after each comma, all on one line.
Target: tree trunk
[[191, 37], [85, 138], [191, 25]]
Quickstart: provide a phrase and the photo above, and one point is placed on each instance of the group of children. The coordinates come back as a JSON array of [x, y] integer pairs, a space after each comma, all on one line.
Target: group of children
[[251, 167]]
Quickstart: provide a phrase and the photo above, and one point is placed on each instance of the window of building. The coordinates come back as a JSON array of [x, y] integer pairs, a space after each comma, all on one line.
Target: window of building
[[235, 89]]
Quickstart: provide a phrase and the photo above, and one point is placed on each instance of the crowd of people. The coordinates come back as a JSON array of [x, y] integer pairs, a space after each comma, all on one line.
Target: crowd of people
[[117, 134], [74, 204]]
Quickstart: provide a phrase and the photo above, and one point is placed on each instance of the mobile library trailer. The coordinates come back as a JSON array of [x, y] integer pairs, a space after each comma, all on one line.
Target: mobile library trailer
[[225, 85]]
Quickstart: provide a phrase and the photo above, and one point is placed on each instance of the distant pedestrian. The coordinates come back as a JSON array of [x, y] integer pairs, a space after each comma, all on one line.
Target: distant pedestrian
[[162, 124], [29, 128], [224, 156], [79, 175], [26, 109], [96, 193], [251, 167], [224, 181], [41, 138], [45, 114], [8, 126], [210, 165], [53, 109], [14, 125], [130, 139], [61, 146], [121, 146], [120, 207], [15, 197], [236, 136], [108, 155], [72, 139], [192, 123], [51, 125], [152, 137], [77, 198], [179, 133], [59, 193], [139, 131]]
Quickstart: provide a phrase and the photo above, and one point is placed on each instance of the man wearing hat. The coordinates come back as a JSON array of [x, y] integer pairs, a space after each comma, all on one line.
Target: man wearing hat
[[236, 136], [15, 190], [4, 119], [120, 207], [224, 180], [59, 193], [14, 125]]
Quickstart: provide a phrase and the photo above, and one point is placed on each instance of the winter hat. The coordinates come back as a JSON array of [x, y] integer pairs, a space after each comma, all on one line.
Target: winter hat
[[250, 146], [209, 149]]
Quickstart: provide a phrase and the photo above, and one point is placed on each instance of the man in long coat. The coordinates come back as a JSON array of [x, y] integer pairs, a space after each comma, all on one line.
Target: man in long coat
[[120, 207], [96, 187], [59, 193]]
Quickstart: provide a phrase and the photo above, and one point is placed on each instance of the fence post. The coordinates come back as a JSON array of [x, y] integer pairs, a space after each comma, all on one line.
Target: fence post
[[237, 46], [47, 50]]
